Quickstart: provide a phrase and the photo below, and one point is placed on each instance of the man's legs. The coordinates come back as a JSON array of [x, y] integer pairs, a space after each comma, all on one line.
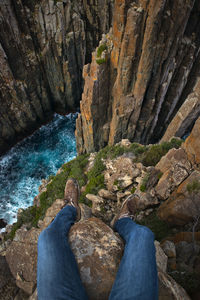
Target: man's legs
[[57, 272], [137, 274]]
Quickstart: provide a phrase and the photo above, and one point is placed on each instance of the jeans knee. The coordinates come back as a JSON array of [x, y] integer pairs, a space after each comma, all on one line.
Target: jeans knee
[[44, 237], [143, 232]]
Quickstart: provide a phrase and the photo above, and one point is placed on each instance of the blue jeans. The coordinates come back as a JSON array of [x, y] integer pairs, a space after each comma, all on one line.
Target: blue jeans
[[57, 271]]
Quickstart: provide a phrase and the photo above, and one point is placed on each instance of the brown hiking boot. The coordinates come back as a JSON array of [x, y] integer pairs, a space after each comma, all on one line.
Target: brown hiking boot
[[128, 209], [72, 194]]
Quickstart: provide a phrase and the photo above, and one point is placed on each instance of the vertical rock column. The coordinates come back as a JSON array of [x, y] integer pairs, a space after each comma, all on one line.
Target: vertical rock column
[[92, 128], [153, 67], [43, 47]]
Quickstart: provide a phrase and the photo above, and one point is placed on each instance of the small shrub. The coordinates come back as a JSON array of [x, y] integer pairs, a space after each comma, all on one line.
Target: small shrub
[[154, 153], [116, 151], [144, 183], [94, 185], [142, 188], [137, 148], [176, 143], [98, 168], [133, 190], [115, 182]]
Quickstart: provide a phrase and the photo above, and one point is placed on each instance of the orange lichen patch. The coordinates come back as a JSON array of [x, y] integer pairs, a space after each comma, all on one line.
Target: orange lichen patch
[[90, 129], [191, 145]]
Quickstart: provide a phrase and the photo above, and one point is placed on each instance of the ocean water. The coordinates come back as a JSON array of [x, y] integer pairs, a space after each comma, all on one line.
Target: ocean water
[[35, 158]]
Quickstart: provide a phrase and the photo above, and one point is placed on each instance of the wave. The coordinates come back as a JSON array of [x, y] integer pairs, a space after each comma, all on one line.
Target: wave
[[35, 158]]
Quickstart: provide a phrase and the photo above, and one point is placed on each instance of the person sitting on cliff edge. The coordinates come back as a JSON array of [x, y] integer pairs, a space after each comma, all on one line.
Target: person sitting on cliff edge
[[58, 276]]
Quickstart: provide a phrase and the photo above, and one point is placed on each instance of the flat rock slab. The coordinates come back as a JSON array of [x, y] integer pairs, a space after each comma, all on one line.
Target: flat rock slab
[[169, 289], [98, 251]]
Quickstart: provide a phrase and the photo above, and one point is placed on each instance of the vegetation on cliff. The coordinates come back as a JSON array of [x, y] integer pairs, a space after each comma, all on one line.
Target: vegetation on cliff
[[93, 180]]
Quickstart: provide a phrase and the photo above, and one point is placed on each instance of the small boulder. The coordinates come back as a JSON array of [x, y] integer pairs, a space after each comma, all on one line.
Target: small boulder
[[107, 195], [97, 203], [86, 211], [169, 249], [175, 168], [161, 257], [173, 158], [146, 199]]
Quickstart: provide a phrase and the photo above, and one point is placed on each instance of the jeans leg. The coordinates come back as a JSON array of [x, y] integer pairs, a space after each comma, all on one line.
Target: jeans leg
[[57, 271], [137, 274]]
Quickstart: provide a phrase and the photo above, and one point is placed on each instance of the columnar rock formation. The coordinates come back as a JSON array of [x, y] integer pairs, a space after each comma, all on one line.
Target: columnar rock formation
[[153, 68], [43, 47]]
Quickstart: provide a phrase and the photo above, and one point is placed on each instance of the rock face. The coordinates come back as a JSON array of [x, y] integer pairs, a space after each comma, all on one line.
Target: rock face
[[8, 288], [21, 256], [183, 204], [186, 115], [175, 168], [43, 47], [191, 145], [152, 70]]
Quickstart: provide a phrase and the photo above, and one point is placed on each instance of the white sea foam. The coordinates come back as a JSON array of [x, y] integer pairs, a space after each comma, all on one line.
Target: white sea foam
[[37, 157]]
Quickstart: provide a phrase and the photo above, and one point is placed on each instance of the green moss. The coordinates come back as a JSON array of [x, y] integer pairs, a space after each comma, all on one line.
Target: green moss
[[100, 61], [193, 187], [160, 174], [100, 49], [159, 227]]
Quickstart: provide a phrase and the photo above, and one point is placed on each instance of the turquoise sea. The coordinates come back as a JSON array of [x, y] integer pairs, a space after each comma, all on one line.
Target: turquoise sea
[[35, 158]]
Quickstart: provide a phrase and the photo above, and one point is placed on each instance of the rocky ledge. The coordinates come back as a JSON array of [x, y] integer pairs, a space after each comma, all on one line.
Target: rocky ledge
[[166, 179]]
